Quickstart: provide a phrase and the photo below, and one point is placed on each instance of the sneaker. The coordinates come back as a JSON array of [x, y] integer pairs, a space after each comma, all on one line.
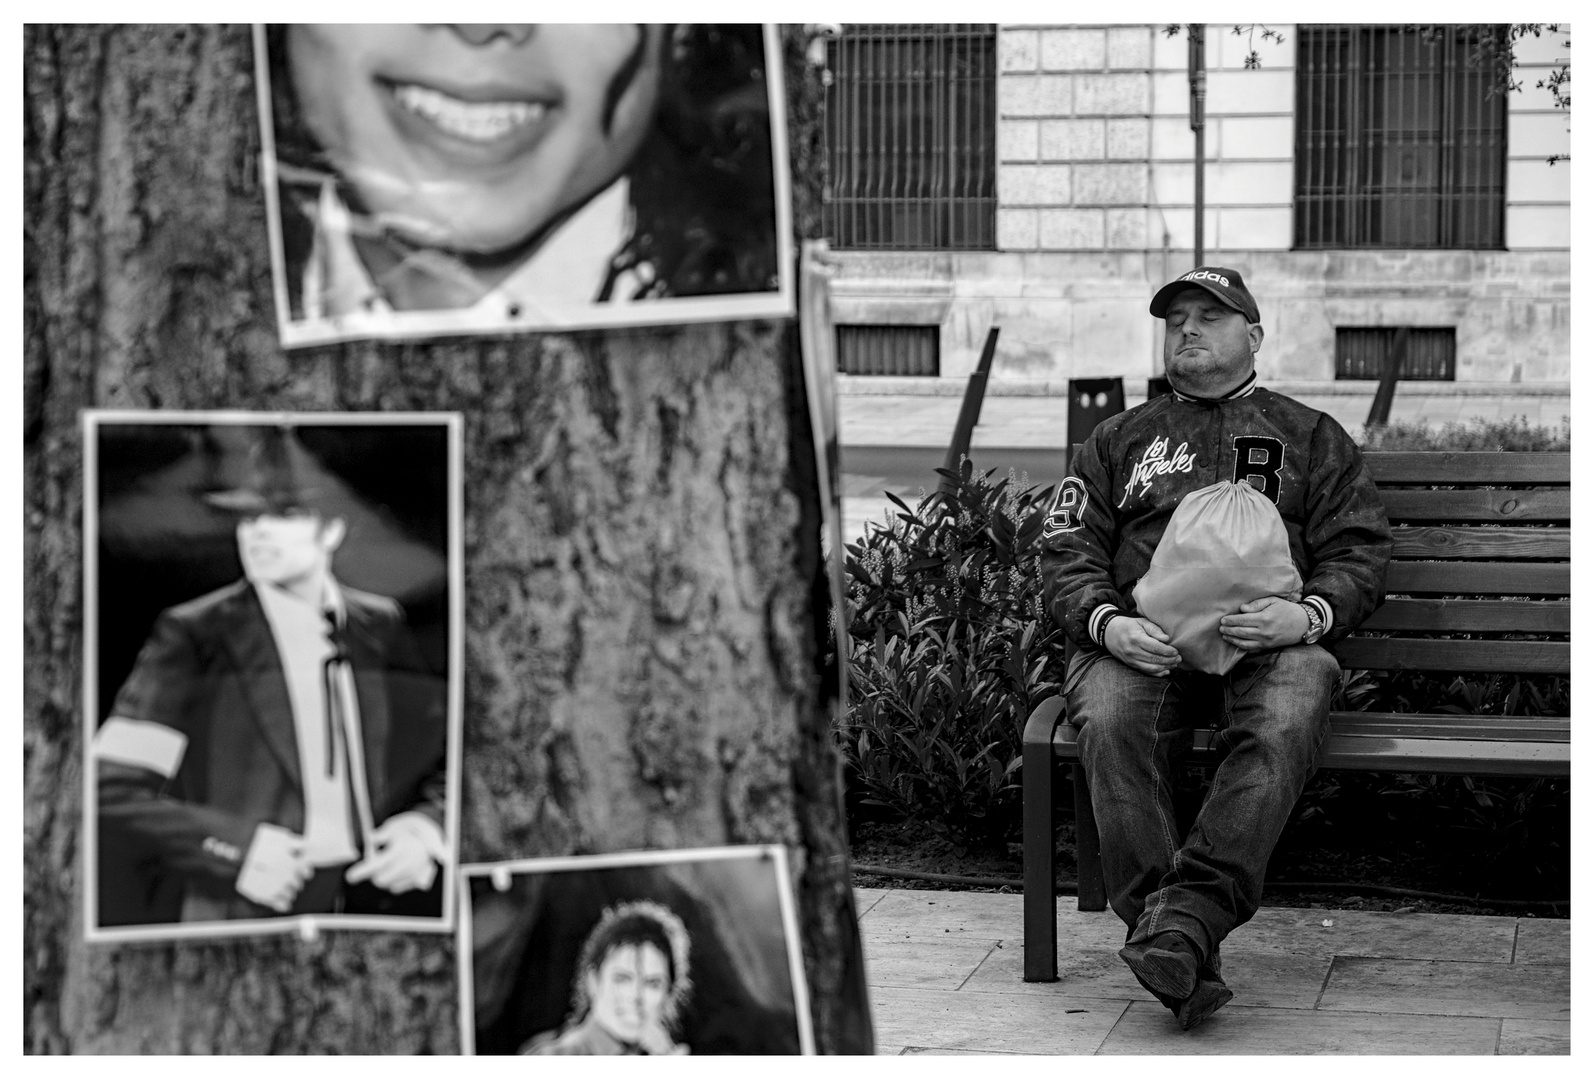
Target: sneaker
[[1209, 996], [1166, 965]]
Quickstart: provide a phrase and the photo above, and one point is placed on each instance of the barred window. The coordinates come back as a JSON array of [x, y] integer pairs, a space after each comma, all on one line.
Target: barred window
[[1399, 141], [1431, 352], [911, 137], [888, 350]]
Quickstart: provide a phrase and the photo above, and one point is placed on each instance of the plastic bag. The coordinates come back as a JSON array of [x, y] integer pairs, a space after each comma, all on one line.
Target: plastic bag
[[1224, 546]]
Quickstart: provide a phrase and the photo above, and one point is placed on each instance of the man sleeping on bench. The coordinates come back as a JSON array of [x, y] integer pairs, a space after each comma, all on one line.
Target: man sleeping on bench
[[1126, 686]]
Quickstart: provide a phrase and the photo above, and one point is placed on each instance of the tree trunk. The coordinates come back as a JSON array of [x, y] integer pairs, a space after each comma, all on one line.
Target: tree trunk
[[644, 603]]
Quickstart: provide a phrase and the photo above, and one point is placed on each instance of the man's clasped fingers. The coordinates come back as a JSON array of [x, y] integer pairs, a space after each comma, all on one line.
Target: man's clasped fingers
[[399, 863]]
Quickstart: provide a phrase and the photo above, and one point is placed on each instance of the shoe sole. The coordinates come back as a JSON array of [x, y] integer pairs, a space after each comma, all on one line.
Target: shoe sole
[[1167, 973], [1205, 1000]]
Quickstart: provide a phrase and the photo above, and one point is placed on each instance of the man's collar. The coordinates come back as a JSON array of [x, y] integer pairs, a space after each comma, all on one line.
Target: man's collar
[[1240, 391], [331, 598]]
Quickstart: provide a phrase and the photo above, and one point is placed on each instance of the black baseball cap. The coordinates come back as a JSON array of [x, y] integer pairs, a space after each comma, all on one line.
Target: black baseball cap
[[1221, 281], [261, 471]]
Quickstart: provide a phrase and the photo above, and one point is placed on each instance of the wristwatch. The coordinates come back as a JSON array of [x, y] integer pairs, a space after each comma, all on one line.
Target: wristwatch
[[1315, 624]]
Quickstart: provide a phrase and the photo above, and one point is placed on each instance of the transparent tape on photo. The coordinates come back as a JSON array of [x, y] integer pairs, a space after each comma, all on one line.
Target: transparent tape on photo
[[1224, 546]]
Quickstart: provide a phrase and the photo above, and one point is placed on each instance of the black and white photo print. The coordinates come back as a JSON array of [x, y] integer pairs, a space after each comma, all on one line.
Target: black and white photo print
[[645, 953], [455, 179], [272, 695]]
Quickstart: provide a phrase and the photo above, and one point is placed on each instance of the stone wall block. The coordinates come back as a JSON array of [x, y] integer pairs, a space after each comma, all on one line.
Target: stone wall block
[[1017, 50], [1126, 229], [1073, 49], [1034, 185], [1130, 47], [1034, 95], [1016, 229], [1130, 139], [1120, 94], [1072, 140], [1109, 185], [1017, 140], [1071, 230]]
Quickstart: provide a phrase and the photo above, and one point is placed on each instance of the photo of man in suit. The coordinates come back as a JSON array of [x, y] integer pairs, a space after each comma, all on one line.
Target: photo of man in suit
[[279, 745]]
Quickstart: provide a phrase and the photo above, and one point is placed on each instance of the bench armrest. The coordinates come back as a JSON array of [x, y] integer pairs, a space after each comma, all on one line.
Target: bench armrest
[[1043, 719]]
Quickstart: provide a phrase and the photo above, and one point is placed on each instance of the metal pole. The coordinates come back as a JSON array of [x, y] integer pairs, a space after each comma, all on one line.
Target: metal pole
[[1196, 34]]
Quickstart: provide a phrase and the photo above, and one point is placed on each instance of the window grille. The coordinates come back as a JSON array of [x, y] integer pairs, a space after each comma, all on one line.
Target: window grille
[[911, 137], [888, 350], [1360, 352], [1399, 141]]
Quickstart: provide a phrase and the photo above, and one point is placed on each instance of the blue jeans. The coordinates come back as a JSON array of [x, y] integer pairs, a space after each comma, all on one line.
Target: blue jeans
[[1272, 713]]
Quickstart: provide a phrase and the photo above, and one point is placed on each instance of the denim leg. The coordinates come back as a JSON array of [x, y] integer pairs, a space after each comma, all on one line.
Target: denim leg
[[1130, 731], [1276, 709]]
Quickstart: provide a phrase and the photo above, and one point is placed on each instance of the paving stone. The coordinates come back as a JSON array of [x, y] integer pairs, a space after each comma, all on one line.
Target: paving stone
[[865, 899], [1416, 936], [941, 965], [1277, 979], [1016, 1023], [1148, 1028], [988, 916], [1543, 941], [1536, 1037], [1447, 987], [1413, 1000]]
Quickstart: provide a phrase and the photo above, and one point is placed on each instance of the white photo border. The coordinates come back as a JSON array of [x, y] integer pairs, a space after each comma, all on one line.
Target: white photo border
[[779, 303], [307, 927], [498, 872]]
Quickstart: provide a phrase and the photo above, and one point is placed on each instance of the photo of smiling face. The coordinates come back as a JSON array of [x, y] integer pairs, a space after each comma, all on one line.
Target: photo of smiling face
[[447, 179], [475, 138]]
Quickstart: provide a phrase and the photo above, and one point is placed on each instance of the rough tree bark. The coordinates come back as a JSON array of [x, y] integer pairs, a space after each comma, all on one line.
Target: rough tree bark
[[642, 584]]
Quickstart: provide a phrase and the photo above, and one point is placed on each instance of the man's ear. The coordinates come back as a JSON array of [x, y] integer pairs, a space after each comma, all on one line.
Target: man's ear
[[332, 533], [1254, 334]]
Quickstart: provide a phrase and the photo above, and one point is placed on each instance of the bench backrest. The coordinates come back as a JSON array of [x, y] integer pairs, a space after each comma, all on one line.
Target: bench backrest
[[1483, 547], [1491, 528]]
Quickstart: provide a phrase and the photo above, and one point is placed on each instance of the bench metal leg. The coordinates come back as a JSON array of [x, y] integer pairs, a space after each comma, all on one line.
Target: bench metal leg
[[1041, 898], [1087, 847]]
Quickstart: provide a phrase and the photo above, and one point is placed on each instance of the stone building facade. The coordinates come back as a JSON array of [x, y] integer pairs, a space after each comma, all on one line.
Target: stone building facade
[[1095, 205]]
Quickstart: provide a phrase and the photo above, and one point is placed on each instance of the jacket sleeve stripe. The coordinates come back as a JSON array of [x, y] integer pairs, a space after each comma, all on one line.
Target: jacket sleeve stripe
[[140, 743], [1098, 619], [1323, 609]]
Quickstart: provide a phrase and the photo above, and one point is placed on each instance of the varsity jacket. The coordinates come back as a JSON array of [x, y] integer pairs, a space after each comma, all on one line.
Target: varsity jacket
[[1109, 513]]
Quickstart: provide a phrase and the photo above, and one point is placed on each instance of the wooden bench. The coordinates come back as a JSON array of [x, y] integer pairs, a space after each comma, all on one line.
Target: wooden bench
[[1491, 527]]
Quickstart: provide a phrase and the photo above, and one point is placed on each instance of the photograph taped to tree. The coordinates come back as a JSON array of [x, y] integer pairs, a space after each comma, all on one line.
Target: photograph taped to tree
[[433, 179], [272, 690], [654, 952]]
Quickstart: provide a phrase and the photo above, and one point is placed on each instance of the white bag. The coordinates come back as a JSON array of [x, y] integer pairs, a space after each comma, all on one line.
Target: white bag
[[1224, 546]]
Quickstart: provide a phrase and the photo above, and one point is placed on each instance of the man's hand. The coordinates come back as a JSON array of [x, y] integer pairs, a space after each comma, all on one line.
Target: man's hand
[[275, 868], [1141, 644], [1269, 623], [401, 859]]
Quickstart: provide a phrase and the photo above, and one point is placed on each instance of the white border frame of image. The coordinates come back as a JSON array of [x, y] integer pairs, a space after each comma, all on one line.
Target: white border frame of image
[[500, 873], [668, 311], [308, 927]]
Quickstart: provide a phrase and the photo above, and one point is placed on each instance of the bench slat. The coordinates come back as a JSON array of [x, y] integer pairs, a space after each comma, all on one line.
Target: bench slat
[[1448, 725], [1427, 742], [1527, 616], [1481, 542], [1480, 505], [1468, 467], [1414, 654], [1480, 578], [1466, 756]]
